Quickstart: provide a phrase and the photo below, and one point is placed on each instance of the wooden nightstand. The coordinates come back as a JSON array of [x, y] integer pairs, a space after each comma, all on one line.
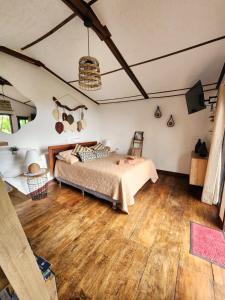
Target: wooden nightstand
[[198, 169]]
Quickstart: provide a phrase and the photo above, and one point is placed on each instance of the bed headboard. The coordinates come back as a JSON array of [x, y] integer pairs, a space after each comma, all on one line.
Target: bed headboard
[[54, 150]]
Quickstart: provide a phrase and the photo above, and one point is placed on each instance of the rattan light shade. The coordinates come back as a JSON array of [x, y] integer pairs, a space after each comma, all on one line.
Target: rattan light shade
[[89, 73]]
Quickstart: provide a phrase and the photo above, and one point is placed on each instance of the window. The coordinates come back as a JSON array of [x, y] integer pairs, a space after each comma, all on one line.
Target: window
[[22, 121], [5, 123]]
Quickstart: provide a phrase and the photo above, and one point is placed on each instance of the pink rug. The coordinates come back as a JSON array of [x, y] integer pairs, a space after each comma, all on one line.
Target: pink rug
[[207, 243]]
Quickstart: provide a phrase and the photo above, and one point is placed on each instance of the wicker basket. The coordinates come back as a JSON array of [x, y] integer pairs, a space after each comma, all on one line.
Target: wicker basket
[[38, 186]]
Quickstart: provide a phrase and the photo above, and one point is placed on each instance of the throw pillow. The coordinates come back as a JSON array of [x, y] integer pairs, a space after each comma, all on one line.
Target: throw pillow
[[101, 153], [86, 155], [80, 148], [68, 157], [100, 146]]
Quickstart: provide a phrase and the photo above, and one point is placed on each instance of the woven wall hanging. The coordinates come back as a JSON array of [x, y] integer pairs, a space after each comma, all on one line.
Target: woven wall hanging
[[65, 122]]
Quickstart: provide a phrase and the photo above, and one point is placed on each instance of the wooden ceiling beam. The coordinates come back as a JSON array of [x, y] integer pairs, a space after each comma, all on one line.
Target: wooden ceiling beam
[[40, 64], [84, 11], [50, 32], [163, 56], [21, 56], [54, 29], [86, 14]]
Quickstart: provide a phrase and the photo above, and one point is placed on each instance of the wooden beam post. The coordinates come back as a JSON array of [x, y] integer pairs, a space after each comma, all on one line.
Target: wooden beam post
[[16, 257], [211, 179]]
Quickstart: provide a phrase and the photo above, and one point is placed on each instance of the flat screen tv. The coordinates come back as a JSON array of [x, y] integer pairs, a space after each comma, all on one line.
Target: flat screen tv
[[195, 98]]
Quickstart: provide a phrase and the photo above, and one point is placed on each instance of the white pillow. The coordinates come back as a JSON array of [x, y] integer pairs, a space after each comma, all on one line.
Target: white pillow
[[68, 157]]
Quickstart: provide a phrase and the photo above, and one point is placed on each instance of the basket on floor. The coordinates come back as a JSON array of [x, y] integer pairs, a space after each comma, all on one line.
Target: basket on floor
[[38, 187]]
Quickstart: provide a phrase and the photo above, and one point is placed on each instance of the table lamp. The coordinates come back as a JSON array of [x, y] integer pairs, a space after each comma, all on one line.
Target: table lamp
[[32, 160]]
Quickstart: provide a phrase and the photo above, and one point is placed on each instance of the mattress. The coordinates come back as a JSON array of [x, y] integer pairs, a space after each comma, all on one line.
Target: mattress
[[105, 176]]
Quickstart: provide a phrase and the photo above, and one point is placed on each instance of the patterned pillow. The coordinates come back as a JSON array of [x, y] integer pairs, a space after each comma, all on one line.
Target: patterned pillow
[[99, 147], [86, 155], [101, 153], [80, 148]]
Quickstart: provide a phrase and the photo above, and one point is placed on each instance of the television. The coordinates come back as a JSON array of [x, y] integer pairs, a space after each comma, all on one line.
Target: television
[[195, 98]]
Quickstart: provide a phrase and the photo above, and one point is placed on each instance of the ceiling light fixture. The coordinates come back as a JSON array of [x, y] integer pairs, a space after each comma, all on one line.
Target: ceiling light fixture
[[89, 71], [5, 105]]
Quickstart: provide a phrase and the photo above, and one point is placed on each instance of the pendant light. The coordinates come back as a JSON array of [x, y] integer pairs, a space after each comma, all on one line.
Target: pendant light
[[5, 105], [89, 71]]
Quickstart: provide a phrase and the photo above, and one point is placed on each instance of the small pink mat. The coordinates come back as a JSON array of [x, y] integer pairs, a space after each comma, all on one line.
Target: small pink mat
[[207, 243]]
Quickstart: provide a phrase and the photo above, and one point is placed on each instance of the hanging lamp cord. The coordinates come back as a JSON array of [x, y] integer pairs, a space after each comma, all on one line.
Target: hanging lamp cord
[[88, 42]]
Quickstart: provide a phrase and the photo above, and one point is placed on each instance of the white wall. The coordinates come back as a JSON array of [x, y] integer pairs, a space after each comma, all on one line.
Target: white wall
[[169, 148], [40, 86]]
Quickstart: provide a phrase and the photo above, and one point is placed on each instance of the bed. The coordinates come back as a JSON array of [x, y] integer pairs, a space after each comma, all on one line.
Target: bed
[[103, 177]]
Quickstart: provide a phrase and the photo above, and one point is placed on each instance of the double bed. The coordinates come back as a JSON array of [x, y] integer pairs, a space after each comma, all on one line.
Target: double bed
[[103, 177]]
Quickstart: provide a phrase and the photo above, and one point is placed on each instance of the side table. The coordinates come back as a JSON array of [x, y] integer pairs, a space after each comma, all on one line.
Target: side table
[[38, 184]]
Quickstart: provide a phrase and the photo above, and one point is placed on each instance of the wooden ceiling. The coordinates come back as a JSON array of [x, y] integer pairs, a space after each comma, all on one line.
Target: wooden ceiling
[[143, 51]]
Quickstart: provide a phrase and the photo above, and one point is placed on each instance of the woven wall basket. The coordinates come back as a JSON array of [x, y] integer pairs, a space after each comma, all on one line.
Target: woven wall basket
[[89, 73]]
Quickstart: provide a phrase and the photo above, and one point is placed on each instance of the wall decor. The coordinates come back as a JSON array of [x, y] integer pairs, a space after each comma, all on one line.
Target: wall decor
[[68, 123], [83, 121], [56, 114], [59, 127], [64, 116], [158, 113], [171, 121], [70, 119], [68, 108], [79, 126]]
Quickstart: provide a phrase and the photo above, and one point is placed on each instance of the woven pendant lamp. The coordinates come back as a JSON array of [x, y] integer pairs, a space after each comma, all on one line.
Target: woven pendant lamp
[[89, 72]]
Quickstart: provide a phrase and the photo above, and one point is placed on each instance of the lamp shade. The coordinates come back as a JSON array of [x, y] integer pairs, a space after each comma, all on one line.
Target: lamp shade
[[106, 143], [89, 73], [32, 157]]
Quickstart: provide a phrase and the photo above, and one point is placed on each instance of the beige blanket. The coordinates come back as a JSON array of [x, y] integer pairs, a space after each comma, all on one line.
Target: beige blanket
[[119, 182]]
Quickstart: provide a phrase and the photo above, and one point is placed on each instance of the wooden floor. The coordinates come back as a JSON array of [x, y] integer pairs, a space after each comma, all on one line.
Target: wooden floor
[[98, 253]]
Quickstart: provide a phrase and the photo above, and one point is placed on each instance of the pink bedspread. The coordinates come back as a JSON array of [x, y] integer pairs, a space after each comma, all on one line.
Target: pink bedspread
[[105, 176]]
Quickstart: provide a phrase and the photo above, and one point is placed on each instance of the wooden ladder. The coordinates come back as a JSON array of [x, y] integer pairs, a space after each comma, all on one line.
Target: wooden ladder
[[137, 145]]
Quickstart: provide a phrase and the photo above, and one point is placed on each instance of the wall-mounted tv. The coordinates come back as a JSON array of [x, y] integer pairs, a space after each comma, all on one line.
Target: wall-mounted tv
[[195, 98]]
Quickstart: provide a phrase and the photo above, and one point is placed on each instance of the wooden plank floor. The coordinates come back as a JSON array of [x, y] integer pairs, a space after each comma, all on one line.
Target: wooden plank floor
[[98, 253]]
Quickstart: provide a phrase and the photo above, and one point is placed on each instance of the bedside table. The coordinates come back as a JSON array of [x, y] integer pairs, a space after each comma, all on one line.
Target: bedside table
[[38, 184], [198, 169]]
